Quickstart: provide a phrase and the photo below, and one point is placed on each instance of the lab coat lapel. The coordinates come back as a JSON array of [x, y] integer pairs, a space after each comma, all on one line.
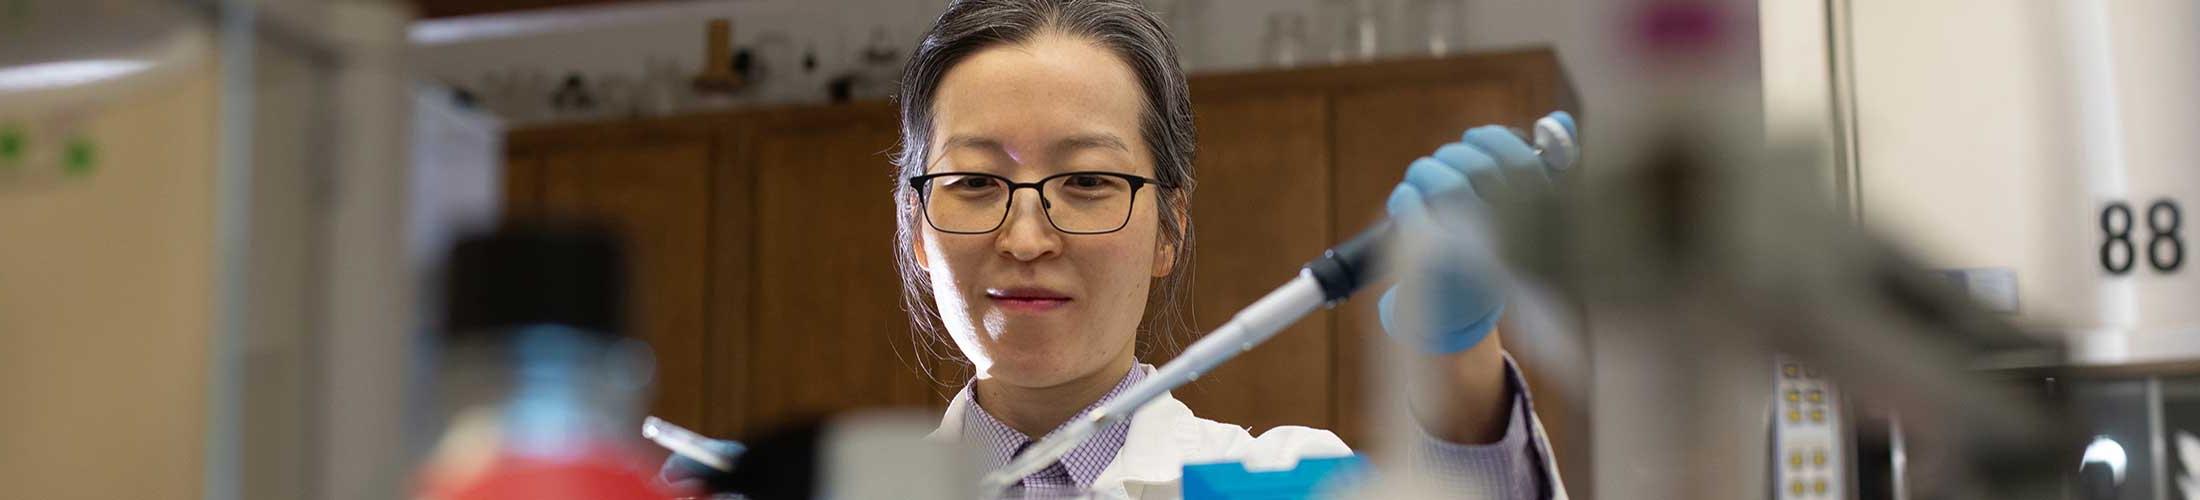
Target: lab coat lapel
[[951, 423], [1151, 462]]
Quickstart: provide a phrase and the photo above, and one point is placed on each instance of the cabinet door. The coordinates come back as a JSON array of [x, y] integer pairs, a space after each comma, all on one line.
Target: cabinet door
[[827, 328], [522, 184], [657, 196], [732, 250], [1260, 211], [1378, 131]]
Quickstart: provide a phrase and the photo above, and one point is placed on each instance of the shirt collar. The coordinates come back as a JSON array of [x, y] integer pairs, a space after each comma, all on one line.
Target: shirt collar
[[1084, 463]]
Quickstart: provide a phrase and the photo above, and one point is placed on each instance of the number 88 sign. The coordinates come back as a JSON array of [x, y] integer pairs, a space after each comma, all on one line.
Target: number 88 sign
[[2165, 250]]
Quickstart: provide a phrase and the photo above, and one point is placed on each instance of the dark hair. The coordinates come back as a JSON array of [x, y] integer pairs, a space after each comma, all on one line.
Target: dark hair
[[1121, 26]]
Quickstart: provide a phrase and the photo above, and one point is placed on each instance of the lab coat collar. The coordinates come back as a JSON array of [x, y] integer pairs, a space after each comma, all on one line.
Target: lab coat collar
[[1151, 461]]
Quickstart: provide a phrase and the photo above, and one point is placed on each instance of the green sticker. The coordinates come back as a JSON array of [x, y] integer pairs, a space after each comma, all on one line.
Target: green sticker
[[79, 158], [11, 145]]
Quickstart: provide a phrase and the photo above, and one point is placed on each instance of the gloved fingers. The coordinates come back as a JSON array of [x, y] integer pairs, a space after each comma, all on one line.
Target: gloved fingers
[[1480, 169], [1508, 148], [696, 486], [1386, 310], [1518, 161], [679, 470], [1434, 179], [1406, 207], [1438, 322]]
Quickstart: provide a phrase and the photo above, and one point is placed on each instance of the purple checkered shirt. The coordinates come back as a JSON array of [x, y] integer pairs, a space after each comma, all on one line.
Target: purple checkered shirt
[[1510, 468], [1068, 477]]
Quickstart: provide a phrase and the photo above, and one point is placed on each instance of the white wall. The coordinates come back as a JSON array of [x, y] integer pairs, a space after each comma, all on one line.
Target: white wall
[[1992, 134], [620, 40], [1954, 102], [617, 39]]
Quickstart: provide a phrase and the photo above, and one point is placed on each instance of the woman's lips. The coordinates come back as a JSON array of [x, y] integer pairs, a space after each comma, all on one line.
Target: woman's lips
[[1032, 300]]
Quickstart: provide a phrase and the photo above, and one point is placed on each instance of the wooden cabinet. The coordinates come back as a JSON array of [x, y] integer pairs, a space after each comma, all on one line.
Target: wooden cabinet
[[657, 196], [827, 329], [765, 267], [1260, 211]]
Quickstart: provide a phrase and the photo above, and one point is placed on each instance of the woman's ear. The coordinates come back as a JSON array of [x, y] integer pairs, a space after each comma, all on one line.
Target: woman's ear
[[916, 248], [924, 259], [916, 239], [1164, 258]]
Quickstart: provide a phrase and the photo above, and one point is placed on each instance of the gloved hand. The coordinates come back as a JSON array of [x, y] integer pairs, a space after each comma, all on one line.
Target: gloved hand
[[685, 473], [1460, 301]]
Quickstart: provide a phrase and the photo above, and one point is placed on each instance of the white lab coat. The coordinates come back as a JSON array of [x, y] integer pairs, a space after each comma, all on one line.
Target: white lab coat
[[1164, 435]]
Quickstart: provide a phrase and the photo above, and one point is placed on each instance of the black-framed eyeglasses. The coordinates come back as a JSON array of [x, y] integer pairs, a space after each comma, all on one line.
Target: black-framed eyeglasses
[[1074, 202]]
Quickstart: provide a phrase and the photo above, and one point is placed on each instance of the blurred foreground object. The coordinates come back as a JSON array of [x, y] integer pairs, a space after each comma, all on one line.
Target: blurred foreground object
[[1715, 263], [539, 386], [1704, 261], [66, 65], [209, 210], [860, 454], [108, 253]]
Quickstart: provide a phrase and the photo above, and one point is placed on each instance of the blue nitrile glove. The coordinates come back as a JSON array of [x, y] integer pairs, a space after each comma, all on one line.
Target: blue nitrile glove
[[1461, 302], [687, 474]]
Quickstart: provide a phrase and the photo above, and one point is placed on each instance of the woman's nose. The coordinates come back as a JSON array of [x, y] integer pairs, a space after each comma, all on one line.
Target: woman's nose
[[1027, 235]]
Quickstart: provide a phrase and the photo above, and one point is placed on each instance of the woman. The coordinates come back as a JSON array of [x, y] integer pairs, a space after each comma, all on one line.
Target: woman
[[1044, 180]]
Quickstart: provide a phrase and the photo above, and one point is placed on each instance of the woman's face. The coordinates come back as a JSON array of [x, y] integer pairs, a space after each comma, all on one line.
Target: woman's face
[[1029, 305]]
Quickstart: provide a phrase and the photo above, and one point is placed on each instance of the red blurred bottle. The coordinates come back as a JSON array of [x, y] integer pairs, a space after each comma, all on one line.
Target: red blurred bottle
[[541, 396]]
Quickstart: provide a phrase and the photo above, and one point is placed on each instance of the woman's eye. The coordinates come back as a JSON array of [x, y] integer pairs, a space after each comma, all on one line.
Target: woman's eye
[[972, 182], [1088, 181]]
